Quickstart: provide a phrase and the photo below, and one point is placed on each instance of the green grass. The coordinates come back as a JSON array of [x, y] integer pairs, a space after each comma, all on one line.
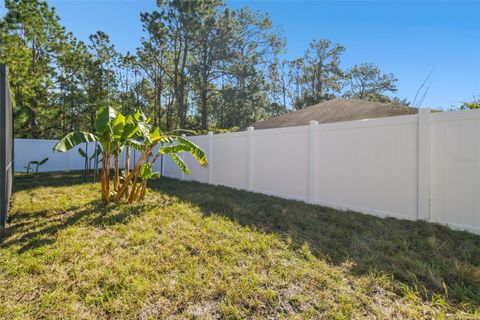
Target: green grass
[[205, 252]]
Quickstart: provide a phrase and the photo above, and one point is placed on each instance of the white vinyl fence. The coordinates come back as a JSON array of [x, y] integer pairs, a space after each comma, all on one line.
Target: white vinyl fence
[[424, 166], [27, 150]]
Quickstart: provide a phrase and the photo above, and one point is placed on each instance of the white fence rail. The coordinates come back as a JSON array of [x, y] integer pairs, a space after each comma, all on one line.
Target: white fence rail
[[424, 166]]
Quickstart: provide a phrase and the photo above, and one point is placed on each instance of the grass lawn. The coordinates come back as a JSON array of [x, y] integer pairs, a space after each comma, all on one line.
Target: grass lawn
[[205, 252]]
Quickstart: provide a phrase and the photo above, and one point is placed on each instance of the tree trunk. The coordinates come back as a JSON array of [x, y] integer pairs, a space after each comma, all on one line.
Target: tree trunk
[[169, 115], [160, 74], [127, 163], [203, 97], [33, 122], [155, 104], [181, 109]]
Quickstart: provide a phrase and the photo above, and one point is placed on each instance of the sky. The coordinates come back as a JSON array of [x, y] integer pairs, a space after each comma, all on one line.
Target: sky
[[406, 38]]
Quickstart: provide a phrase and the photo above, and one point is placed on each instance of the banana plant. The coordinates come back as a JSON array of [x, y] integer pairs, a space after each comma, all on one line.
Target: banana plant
[[35, 163], [104, 135], [89, 159], [115, 132], [134, 185]]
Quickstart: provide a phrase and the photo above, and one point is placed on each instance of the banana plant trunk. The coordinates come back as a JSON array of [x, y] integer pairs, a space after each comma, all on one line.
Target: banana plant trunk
[[105, 178], [116, 179], [127, 161], [132, 175]]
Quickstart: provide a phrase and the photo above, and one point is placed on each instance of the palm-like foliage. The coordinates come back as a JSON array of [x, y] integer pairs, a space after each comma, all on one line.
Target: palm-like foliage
[[116, 133], [35, 163], [89, 159]]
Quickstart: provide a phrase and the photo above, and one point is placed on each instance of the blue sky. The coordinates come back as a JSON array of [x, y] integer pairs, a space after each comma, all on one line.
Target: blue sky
[[406, 38]]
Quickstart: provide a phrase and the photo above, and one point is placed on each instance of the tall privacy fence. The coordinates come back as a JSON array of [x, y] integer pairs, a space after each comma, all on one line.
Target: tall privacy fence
[[6, 145], [424, 166], [27, 150]]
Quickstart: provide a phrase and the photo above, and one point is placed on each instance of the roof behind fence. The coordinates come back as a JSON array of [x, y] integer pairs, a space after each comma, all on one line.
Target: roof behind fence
[[335, 110]]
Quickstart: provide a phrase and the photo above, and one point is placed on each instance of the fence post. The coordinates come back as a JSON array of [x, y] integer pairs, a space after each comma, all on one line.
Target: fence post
[[250, 158], [210, 157], [423, 208], [181, 157], [4, 192], [312, 162]]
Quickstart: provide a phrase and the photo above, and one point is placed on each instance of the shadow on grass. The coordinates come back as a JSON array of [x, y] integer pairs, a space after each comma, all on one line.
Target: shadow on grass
[[39, 228], [36, 229], [424, 257], [428, 258], [22, 182], [33, 229]]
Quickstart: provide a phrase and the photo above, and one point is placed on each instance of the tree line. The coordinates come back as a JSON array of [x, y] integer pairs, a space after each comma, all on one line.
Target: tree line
[[200, 65]]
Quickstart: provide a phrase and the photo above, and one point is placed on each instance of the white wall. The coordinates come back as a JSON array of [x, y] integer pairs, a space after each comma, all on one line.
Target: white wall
[[424, 166]]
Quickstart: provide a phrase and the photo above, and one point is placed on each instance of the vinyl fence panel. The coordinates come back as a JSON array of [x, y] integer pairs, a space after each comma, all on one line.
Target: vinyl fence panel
[[455, 170], [369, 166], [424, 166], [198, 173], [229, 160], [27, 150], [280, 162]]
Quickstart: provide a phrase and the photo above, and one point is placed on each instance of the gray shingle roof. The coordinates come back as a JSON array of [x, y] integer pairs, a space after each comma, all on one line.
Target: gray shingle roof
[[335, 110]]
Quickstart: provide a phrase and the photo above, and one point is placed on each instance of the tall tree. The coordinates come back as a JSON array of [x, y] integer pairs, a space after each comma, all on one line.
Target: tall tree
[[129, 78], [69, 96], [279, 85], [367, 82], [32, 40], [211, 50], [322, 74], [152, 58], [244, 89], [101, 81], [295, 75], [176, 23]]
